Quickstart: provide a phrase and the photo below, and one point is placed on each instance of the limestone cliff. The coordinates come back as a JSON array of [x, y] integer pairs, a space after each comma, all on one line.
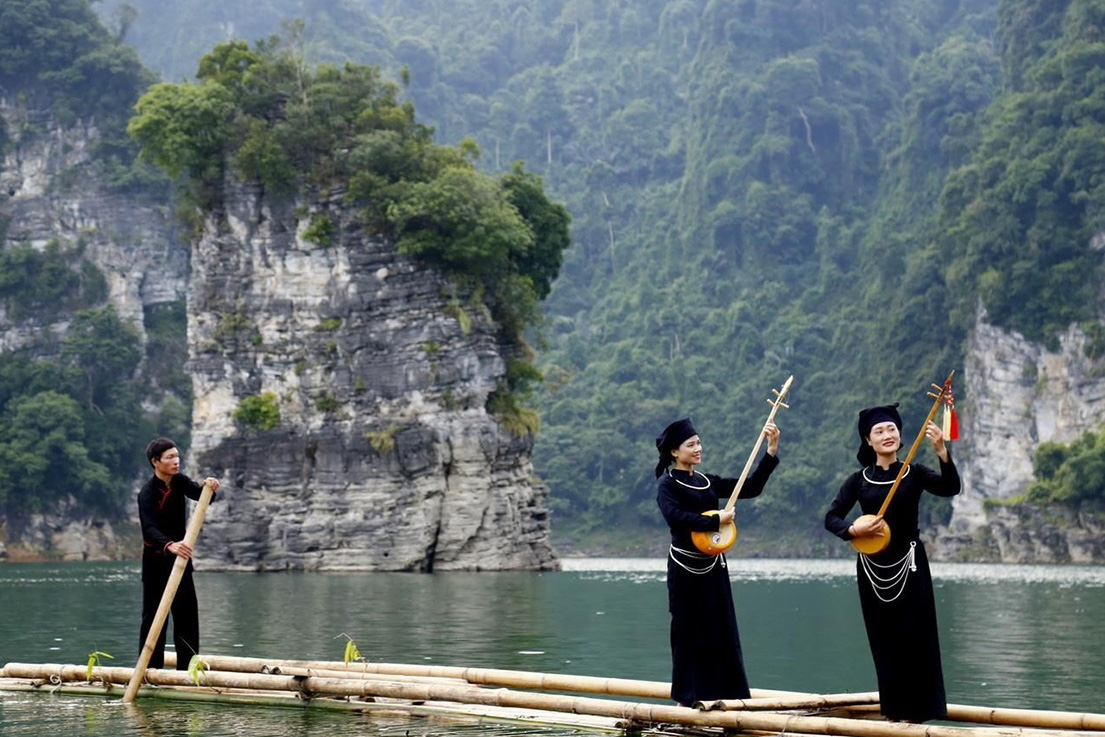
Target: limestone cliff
[[1017, 395], [384, 457]]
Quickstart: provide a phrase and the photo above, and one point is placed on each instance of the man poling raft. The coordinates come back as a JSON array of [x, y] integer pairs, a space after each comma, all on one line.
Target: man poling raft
[[895, 586]]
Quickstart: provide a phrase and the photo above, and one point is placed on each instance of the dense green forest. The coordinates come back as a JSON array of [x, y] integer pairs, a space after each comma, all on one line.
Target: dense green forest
[[757, 188]]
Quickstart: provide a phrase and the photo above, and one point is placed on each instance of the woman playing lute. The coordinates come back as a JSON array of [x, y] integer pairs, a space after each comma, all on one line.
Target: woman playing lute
[[895, 587]]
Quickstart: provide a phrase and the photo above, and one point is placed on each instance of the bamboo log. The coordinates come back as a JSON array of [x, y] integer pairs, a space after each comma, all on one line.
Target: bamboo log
[[232, 664], [801, 701], [175, 576], [1035, 718], [476, 676], [635, 713], [1026, 717]]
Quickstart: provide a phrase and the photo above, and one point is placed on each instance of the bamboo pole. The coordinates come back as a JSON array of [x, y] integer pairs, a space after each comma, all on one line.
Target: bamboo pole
[[175, 576], [635, 713]]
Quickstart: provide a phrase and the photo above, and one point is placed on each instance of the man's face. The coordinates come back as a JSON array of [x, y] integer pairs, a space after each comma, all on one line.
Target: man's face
[[168, 464]]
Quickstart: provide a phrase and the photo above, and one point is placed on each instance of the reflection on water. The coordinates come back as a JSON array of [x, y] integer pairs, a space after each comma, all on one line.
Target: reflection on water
[[34, 715], [802, 570], [1015, 636]]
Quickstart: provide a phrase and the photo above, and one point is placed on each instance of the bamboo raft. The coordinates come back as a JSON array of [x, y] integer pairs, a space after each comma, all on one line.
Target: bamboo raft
[[546, 699]]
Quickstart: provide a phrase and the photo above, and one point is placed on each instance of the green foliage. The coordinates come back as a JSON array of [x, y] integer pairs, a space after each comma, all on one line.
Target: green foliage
[[230, 327], [548, 221], [382, 441], [167, 349], [351, 653], [44, 455], [1069, 474], [505, 407], [320, 231], [94, 660], [327, 403], [71, 423], [196, 668], [105, 349], [38, 283], [55, 55], [454, 310], [1021, 215], [463, 223], [259, 411], [438, 222], [182, 129]]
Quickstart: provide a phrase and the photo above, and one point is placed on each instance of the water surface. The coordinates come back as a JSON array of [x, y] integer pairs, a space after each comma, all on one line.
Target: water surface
[[1014, 636]]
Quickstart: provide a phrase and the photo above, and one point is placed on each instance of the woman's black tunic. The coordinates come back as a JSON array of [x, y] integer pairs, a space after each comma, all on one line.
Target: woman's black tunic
[[707, 663], [902, 631]]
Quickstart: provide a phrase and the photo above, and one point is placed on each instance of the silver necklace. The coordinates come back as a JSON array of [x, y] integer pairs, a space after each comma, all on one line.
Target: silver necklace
[[689, 486], [870, 481]]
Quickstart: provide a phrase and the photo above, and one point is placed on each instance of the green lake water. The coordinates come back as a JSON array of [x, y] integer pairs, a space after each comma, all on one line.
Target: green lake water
[[1012, 636]]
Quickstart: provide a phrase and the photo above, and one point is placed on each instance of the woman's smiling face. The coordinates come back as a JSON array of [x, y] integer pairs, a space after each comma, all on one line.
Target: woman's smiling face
[[689, 453], [884, 438]]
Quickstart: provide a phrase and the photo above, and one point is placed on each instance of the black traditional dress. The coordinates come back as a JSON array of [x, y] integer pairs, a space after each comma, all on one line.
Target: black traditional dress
[[895, 588], [707, 663]]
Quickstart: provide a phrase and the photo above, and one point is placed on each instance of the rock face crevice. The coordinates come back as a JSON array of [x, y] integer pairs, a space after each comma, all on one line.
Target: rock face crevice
[[384, 457]]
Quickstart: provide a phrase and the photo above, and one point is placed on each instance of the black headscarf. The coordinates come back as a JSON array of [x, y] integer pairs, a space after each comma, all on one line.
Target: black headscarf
[[670, 439], [868, 418]]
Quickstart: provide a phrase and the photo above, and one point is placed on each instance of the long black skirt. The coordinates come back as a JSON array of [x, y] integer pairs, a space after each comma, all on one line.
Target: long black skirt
[[903, 638], [707, 663]]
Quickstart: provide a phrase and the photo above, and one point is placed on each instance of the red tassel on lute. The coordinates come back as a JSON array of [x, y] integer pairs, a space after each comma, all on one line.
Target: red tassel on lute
[[951, 422]]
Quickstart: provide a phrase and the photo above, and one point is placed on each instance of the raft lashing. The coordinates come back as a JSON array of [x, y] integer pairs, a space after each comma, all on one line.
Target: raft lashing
[[546, 699]]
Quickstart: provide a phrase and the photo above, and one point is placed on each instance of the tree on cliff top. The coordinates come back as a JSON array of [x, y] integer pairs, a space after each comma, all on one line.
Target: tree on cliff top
[[260, 114]]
